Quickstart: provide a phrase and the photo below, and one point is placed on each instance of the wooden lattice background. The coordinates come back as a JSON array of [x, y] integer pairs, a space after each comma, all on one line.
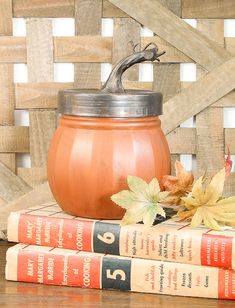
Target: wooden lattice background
[[204, 98]]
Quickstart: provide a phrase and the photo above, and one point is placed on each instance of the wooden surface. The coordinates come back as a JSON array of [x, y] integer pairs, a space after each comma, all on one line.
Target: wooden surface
[[88, 15], [20, 294], [204, 99], [65, 8], [208, 9]]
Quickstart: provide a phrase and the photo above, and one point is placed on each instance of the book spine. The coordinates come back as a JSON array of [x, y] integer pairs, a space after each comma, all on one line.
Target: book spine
[[91, 270], [168, 242]]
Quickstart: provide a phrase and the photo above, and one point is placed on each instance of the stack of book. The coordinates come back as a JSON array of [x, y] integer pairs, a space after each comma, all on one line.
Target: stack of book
[[168, 258]]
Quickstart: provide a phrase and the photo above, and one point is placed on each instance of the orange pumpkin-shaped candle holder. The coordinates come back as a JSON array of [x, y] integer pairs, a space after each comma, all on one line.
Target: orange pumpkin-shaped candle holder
[[102, 137]]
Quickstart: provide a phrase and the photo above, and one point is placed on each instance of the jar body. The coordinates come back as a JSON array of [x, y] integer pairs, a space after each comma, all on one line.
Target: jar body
[[90, 158]]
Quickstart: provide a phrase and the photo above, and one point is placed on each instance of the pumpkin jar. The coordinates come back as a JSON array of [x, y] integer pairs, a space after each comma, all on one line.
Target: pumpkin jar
[[102, 137]]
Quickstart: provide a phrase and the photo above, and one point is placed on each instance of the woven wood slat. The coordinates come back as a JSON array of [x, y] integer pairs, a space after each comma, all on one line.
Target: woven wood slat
[[8, 159], [8, 141], [40, 69], [11, 186], [77, 49], [41, 8], [227, 100], [42, 127], [172, 55], [33, 176], [6, 95], [182, 140], [39, 61], [88, 15], [6, 70], [167, 79], [125, 31], [209, 122], [12, 49], [175, 31], [44, 95], [14, 139], [65, 8], [38, 95], [202, 93], [230, 45], [6, 17], [208, 9]]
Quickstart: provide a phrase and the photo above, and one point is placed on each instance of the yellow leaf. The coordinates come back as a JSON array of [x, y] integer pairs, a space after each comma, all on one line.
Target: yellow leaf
[[132, 216], [197, 219], [153, 187], [125, 198], [136, 184], [207, 206], [190, 203], [197, 190], [150, 214], [142, 201], [209, 219], [214, 190]]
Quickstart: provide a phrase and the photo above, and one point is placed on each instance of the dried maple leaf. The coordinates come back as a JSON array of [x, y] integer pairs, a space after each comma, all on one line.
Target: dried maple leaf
[[177, 185], [142, 201], [206, 205], [228, 163]]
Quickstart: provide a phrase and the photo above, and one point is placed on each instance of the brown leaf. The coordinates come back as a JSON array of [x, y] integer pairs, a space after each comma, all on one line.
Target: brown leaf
[[177, 185]]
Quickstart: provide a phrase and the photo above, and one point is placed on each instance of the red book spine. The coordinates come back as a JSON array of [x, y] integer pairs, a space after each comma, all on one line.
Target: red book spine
[[91, 270], [169, 241], [56, 232]]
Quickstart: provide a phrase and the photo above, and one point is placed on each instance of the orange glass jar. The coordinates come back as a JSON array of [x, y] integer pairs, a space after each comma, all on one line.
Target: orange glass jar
[[102, 137]]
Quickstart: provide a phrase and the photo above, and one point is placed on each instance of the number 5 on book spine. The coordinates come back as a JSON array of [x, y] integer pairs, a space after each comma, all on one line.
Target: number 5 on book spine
[[116, 273], [106, 238]]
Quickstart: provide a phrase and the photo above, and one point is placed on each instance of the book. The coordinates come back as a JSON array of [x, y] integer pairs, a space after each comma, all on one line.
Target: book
[[171, 240], [46, 265]]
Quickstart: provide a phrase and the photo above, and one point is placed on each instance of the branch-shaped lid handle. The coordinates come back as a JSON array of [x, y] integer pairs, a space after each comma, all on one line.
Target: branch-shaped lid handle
[[114, 82], [113, 101]]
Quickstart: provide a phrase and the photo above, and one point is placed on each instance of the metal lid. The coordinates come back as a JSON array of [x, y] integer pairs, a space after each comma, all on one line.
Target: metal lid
[[95, 103], [112, 100]]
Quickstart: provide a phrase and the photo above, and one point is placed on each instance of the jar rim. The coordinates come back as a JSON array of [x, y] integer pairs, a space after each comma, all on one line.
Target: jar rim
[[90, 102]]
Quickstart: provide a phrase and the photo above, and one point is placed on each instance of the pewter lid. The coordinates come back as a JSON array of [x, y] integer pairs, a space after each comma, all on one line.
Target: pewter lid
[[113, 100]]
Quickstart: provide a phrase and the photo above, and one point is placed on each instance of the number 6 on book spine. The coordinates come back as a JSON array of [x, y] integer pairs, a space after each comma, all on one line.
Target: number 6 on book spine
[[116, 273], [106, 238]]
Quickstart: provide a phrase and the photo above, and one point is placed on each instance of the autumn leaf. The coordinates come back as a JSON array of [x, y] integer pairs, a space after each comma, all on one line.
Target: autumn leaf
[[228, 163], [142, 201], [206, 205], [177, 185]]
